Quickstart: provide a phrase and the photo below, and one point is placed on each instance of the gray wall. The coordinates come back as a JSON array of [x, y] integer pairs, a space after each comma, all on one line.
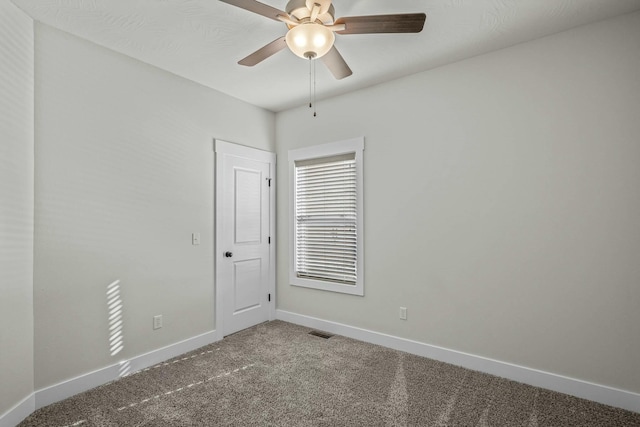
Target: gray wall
[[16, 206], [501, 204], [124, 175]]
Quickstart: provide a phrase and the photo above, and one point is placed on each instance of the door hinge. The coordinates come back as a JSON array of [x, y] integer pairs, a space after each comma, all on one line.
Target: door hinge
[[269, 297], [269, 181], [269, 239]]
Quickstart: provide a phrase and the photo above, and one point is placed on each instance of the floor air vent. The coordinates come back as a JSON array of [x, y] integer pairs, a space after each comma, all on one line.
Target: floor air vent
[[324, 335]]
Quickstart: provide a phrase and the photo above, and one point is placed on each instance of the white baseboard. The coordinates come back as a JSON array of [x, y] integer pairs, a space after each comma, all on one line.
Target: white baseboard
[[19, 412], [60, 391], [599, 393]]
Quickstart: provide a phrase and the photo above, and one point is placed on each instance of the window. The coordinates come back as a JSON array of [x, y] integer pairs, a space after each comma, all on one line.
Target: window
[[326, 217]]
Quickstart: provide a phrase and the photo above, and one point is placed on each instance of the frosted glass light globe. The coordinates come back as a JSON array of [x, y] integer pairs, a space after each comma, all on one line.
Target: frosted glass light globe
[[310, 40]]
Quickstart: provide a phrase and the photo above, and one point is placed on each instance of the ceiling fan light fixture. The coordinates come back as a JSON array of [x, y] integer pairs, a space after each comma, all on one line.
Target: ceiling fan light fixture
[[310, 40]]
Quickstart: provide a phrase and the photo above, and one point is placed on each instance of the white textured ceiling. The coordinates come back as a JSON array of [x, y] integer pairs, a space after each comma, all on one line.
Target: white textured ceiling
[[202, 40]]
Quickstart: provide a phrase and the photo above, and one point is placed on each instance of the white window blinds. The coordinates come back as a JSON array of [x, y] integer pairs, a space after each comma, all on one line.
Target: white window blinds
[[326, 219]]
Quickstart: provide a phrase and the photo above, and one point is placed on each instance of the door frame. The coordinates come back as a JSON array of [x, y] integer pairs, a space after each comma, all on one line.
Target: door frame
[[222, 148]]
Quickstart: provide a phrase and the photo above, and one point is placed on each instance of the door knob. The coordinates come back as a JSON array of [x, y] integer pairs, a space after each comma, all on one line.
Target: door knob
[[228, 254]]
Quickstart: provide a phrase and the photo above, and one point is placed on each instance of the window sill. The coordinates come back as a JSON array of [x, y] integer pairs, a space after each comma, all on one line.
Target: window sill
[[357, 289]]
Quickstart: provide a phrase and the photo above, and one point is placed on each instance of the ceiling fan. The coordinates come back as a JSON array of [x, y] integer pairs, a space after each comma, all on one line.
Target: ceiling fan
[[312, 29]]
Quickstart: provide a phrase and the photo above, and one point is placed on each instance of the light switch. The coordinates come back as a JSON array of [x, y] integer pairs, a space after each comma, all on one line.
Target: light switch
[[195, 239]]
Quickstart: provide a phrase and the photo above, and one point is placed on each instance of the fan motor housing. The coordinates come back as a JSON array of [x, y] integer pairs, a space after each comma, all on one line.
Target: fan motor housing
[[301, 9]]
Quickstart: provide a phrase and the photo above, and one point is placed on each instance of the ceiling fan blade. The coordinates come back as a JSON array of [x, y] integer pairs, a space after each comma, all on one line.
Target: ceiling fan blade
[[257, 7], [401, 23], [264, 52], [336, 64]]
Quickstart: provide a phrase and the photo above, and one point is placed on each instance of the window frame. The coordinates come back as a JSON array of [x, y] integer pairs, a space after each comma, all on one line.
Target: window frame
[[355, 146]]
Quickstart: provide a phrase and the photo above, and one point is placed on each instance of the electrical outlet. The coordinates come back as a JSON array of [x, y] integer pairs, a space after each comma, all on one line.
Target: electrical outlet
[[403, 313], [157, 321]]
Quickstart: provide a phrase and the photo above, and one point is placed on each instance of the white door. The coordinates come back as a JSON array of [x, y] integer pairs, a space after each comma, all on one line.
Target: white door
[[244, 214]]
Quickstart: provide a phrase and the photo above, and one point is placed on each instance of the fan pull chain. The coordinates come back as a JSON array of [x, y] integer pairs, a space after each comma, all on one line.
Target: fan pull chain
[[314, 89], [310, 78], [312, 85]]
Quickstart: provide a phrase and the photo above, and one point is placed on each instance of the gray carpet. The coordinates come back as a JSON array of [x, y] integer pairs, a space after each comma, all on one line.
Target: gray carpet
[[275, 374]]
